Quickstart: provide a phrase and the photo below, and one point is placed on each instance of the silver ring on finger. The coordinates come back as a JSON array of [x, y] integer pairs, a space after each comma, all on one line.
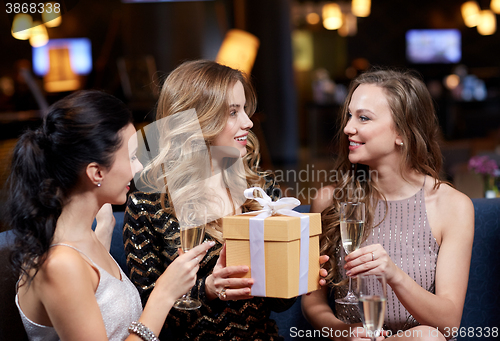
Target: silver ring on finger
[[373, 256]]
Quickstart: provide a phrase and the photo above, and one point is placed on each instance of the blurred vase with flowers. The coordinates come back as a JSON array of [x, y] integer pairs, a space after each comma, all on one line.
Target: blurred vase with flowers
[[488, 169]]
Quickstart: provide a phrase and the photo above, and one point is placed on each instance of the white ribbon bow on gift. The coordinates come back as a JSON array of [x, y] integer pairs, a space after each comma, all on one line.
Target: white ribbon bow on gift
[[283, 206]]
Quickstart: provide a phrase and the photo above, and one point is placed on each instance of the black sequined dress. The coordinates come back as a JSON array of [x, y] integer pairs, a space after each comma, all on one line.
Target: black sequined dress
[[151, 240]]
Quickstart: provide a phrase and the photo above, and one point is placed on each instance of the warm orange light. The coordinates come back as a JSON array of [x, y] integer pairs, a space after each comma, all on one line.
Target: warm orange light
[[60, 76], [361, 8], [332, 16], [350, 26], [495, 6], [313, 18], [452, 81], [21, 26], [470, 13], [39, 36], [487, 24], [238, 50], [51, 19]]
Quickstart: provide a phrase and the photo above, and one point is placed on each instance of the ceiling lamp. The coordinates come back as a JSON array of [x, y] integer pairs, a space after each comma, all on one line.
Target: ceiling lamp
[[238, 50], [61, 76], [361, 8], [39, 36], [332, 16], [313, 18], [21, 26], [487, 24], [495, 6], [350, 26], [470, 13], [51, 19], [452, 81]]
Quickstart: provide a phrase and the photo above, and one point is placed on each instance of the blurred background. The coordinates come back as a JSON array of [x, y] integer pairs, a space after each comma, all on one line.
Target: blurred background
[[301, 56]]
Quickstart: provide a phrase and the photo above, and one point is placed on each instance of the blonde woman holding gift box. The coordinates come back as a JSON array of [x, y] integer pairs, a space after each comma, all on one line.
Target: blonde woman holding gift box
[[419, 229], [222, 100]]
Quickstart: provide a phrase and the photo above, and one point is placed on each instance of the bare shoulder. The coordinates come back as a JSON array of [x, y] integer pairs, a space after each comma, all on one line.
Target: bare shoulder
[[448, 199], [64, 265], [449, 210], [323, 199]]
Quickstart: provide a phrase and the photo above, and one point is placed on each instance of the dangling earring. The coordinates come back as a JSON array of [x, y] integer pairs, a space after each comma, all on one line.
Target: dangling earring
[[98, 184]]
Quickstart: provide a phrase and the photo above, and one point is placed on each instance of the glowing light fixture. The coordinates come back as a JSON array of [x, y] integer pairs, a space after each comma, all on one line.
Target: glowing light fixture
[[238, 50], [361, 8], [21, 26], [350, 26], [313, 18], [332, 16], [495, 6], [60, 76], [51, 19], [487, 24], [452, 81], [303, 50], [470, 13], [39, 36]]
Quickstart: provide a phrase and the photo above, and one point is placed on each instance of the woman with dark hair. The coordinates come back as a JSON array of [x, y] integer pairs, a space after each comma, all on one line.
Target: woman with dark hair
[[419, 229], [70, 288]]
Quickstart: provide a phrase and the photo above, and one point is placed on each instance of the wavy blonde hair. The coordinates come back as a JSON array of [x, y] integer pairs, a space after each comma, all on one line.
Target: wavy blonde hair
[[204, 86], [414, 119]]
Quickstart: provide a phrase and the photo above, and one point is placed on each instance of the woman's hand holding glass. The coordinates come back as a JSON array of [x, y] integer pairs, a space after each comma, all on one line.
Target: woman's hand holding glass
[[371, 260], [180, 275]]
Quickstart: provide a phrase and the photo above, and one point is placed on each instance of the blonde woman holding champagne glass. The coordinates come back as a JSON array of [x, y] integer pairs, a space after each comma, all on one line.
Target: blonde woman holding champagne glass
[[418, 229]]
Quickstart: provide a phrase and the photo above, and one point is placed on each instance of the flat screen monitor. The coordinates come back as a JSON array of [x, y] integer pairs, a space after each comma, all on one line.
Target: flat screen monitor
[[80, 55], [433, 46]]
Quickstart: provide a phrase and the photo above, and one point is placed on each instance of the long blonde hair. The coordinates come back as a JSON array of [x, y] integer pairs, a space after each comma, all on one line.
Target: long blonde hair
[[204, 86], [415, 121]]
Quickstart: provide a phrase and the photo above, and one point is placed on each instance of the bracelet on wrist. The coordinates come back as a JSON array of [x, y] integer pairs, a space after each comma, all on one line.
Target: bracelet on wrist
[[142, 331]]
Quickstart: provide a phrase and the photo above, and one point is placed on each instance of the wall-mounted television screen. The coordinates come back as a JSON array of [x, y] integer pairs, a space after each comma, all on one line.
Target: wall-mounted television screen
[[433, 46], [80, 55]]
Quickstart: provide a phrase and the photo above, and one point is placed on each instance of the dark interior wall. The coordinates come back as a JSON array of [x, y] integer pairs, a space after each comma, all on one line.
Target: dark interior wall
[[172, 32], [273, 77]]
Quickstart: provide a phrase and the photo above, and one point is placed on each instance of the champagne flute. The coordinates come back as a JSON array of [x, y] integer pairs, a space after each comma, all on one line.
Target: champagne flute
[[352, 227], [192, 220], [372, 290]]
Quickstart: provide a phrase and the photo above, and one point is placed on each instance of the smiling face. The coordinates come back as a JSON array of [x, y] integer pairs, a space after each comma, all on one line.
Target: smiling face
[[116, 181], [370, 129], [238, 123]]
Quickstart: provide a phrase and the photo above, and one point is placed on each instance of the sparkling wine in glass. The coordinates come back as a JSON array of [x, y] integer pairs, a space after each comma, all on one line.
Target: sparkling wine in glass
[[372, 290], [352, 227], [192, 220]]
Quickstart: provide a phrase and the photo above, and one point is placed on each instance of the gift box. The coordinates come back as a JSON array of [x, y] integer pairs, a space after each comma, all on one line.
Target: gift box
[[281, 254]]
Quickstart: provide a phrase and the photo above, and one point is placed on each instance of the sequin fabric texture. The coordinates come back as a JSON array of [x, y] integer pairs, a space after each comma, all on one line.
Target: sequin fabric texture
[[406, 236], [151, 240]]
